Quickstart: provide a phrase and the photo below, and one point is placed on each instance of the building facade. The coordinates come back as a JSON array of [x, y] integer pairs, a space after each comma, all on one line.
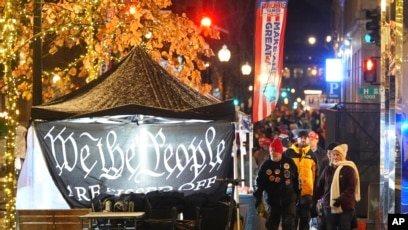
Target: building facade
[[351, 21]]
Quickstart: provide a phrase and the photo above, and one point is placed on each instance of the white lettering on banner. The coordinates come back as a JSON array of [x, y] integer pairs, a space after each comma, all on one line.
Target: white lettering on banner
[[114, 160], [274, 5], [272, 35], [85, 193]]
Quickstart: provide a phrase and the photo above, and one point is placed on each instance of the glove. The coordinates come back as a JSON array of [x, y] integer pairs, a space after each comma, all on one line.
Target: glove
[[336, 202], [258, 202], [297, 202]]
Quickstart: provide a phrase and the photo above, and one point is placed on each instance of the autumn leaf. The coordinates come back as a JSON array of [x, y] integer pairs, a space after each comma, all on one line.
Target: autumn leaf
[[103, 33]]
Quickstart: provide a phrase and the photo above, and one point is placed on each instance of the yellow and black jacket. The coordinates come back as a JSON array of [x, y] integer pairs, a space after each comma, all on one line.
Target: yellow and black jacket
[[306, 163]]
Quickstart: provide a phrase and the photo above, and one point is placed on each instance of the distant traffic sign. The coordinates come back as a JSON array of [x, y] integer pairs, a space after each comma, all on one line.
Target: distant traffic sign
[[369, 91]]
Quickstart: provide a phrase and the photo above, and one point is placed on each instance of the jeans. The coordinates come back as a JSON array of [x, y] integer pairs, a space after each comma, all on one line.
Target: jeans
[[338, 221]]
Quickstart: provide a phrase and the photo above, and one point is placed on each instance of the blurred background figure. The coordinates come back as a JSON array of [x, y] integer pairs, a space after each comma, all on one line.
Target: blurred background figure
[[20, 147]]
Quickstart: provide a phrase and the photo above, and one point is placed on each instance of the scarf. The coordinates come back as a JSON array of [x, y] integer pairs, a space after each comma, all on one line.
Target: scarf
[[335, 186]]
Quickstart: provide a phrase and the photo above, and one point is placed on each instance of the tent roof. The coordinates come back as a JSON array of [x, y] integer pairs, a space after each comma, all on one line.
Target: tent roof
[[137, 85]]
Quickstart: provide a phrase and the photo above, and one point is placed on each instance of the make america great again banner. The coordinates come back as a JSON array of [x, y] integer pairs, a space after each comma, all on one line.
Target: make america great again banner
[[270, 26], [88, 159]]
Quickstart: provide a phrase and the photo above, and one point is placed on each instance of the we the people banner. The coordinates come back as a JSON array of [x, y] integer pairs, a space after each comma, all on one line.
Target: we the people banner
[[87, 159], [269, 39]]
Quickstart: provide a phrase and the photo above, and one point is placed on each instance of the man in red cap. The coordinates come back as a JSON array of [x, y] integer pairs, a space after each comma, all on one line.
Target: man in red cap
[[278, 177], [319, 152], [263, 153], [321, 155]]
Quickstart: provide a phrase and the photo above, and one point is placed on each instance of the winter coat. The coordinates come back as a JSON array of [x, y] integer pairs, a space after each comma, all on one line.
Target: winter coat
[[306, 163], [280, 180], [347, 187], [322, 160]]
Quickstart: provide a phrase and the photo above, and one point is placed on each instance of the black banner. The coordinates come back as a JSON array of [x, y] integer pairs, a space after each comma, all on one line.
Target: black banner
[[86, 159]]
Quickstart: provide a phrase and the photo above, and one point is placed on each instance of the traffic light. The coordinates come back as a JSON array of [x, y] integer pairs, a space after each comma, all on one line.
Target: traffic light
[[284, 94], [370, 70], [373, 27], [236, 101], [206, 21]]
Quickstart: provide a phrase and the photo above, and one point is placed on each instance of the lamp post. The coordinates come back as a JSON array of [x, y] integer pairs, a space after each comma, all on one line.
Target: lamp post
[[224, 56], [246, 69]]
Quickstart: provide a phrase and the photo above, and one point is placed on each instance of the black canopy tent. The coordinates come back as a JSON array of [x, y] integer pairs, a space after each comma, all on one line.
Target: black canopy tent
[[137, 85]]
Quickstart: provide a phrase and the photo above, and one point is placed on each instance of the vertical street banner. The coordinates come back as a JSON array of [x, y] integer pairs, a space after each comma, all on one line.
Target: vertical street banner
[[269, 39]]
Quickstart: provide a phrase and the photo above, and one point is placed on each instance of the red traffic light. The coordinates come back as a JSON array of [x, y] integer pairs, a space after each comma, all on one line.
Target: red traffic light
[[370, 70], [206, 21], [369, 65]]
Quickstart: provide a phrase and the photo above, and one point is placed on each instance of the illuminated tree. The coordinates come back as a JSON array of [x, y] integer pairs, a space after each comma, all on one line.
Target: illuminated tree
[[96, 34], [81, 38]]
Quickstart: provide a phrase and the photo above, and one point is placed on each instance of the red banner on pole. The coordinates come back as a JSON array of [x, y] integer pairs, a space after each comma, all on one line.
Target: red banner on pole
[[269, 39]]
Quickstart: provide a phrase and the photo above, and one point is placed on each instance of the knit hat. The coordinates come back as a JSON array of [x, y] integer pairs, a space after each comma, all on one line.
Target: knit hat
[[302, 133], [332, 145], [276, 146], [342, 149], [313, 135], [285, 140]]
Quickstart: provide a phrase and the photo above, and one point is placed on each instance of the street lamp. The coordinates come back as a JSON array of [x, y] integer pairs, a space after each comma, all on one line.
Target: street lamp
[[224, 56], [246, 69], [311, 40]]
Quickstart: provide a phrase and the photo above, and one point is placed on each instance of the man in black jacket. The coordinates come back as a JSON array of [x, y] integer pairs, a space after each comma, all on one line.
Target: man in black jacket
[[279, 178]]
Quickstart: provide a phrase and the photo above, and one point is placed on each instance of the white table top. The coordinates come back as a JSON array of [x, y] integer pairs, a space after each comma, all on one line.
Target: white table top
[[113, 215]]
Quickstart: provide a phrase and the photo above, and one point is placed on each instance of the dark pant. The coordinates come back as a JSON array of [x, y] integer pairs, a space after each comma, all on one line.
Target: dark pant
[[303, 213], [338, 221], [286, 213], [322, 223]]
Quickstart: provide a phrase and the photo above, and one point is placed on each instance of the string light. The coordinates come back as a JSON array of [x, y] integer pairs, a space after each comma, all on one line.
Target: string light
[[9, 33], [75, 31]]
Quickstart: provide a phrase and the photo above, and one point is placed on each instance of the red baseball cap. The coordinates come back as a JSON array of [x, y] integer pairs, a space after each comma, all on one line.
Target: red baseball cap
[[313, 135], [264, 141]]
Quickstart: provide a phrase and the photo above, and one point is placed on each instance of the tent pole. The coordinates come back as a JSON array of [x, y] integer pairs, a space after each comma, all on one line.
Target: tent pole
[[242, 138], [251, 170], [235, 183]]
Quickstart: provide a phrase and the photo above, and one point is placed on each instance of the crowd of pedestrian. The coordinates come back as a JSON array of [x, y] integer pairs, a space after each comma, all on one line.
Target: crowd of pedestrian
[[299, 179]]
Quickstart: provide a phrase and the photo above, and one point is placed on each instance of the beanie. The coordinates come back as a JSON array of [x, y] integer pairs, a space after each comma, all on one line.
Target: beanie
[[285, 140], [303, 133], [342, 149], [332, 145], [313, 135], [276, 146]]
